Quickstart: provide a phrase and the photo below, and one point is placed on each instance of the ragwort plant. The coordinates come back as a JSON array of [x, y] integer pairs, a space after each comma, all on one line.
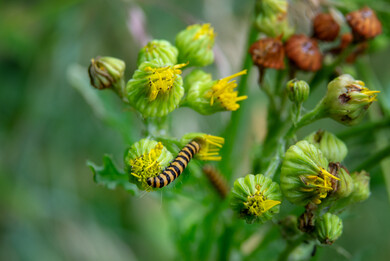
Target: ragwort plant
[[308, 172]]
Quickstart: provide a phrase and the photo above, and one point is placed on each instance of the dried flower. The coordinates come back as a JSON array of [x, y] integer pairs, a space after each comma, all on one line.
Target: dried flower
[[256, 198], [364, 24], [304, 53], [331, 147], [325, 27], [208, 96], [329, 227], [195, 45], [158, 49], [304, 176], [144, 159], [156, 88], [268, 53]]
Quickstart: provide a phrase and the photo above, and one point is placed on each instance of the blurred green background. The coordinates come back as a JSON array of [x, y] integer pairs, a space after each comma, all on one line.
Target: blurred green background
[[50, 209]]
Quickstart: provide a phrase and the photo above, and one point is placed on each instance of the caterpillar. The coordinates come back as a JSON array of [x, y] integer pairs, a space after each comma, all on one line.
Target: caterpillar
[[176, 167], [217, 180]]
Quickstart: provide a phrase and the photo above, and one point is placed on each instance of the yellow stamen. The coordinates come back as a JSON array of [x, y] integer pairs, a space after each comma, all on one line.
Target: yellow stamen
[[162, 79], [223, 92], [209, 147], [258, 204], [204, 31]]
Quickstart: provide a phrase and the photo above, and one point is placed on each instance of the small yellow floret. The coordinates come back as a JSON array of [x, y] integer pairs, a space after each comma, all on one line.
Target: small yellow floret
[[223, 92], [209, 147], [146, 165], [204, 31], [258, 204], [162, 79]]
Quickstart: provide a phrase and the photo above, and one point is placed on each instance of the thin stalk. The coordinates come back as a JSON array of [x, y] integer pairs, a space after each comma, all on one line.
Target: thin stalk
[[374, 160], [235, 129]]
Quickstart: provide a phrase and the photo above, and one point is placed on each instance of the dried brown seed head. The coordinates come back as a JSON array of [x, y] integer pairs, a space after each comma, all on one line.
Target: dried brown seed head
[[268, 53], [364, 24], [325, 27], [304, 52]]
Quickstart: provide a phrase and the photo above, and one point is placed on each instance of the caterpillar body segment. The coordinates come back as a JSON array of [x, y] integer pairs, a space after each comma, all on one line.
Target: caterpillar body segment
[[176, 167]]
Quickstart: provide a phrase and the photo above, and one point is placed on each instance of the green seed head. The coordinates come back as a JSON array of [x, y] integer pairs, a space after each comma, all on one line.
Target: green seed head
[[195, 45], [328, 228], [256, 198], [345, 185], [331, 147], [361, 189]]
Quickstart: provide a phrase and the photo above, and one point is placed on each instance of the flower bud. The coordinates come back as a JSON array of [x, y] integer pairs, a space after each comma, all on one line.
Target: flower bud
[[209, 145], [195, 45], [298, 91], [271, 6], [145, 159], [331, 147], [364, 24], [345, 185], [347, 100], [156, 88], [361, 189], [304, 176], [329, 227], [107, 72], [255, 198], [325, 27], [304, 52], [268, 53], [208, 96], [158, 49]]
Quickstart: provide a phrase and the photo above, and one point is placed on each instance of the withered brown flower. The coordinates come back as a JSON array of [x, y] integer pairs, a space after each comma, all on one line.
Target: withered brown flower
[[304, 52], [325, 27], [268, 53], [364, 24]]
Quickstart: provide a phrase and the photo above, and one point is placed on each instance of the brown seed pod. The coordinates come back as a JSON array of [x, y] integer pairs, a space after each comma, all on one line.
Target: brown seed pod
[[304, 52], [364, 24], [325, 27], [268, 53]]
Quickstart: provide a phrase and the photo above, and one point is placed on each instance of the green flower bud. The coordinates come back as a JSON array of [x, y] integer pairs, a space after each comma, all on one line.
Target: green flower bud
[[345, 185], [256, 198], [304, 176], [207, 96], [347, 100], [361, 189], [158, 49], [331, 147], [145, 159], [271, 6], [209, 145], [156, 88], [195, 45], [298, 91], [107, 72], [329, 227]]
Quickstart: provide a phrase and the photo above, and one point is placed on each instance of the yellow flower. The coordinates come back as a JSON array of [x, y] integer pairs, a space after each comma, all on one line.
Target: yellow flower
[[209, 145]]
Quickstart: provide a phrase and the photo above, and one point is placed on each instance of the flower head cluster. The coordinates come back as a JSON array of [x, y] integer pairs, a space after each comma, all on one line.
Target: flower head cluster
[[304, 177], [256, 198], [145, 159], [208, 96]]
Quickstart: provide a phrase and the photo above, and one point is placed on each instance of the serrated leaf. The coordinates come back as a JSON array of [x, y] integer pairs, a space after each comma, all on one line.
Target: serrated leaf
[[110, 177]]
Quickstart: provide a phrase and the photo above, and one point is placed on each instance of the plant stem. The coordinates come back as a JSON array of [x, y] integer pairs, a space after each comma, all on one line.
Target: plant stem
[[375, 159], [233, 132]]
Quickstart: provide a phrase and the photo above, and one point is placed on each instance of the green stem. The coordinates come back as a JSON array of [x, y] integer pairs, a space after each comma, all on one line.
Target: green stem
[[364, 128], [234, 130], [374, 160], [291, 246], [276, 160]]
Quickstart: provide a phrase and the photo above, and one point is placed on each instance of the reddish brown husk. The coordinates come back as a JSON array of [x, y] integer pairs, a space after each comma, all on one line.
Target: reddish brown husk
[[325, 27], [364, 24], [304, 52], [268, 53]]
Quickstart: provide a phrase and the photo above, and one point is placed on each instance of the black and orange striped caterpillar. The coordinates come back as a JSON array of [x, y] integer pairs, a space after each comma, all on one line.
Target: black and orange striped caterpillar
[[176, 167]]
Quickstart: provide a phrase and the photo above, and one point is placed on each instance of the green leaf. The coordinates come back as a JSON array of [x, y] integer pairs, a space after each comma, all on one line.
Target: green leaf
[[110, 177]]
